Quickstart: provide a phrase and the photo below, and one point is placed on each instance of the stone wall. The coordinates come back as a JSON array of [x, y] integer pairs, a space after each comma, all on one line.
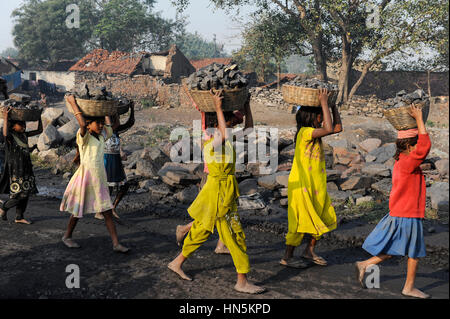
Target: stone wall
[[138, 88], [385, 84]]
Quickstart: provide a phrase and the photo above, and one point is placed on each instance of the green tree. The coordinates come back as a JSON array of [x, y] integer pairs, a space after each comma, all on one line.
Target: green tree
[[41, 34], [271, 36], [195, 47], [404, 26], [308, 14], [128, 25], [10, 52]]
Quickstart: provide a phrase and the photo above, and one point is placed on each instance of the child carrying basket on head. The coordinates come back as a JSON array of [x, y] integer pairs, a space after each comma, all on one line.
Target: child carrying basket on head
[[400, 232], [117, 180], [216, 207], [17, 178], [310, 210], [208, 120], [87, 191]]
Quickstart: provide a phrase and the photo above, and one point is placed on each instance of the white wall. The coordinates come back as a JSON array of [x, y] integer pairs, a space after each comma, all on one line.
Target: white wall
[[65, 81]]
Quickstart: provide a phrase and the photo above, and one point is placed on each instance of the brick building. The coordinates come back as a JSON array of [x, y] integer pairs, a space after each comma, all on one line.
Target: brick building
[[143, 77]]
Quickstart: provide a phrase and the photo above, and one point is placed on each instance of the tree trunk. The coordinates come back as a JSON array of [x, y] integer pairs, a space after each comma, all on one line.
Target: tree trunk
[[344, 74], [360, 80], [319, 56], [429, 82], [278, 74]]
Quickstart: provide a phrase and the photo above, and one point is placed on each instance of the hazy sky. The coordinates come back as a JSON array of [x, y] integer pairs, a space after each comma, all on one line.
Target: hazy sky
[[202, 17]]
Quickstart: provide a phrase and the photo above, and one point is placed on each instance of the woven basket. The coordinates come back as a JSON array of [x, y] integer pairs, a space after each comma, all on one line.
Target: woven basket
[[96, 108], [233, 99], [400, 118], [305, 96], [25, 115]]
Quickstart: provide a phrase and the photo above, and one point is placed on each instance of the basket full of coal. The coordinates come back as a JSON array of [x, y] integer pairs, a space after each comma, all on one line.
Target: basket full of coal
[[97, 102], [397, 109], [217, 76], [27, 111], [306, 92]]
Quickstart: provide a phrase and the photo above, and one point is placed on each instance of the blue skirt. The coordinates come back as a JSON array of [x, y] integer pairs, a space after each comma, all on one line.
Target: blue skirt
[[397, 236], [114, 169]]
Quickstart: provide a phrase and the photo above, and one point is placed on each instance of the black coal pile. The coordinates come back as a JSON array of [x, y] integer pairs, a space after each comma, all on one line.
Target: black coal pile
[[312, 84], [403, 99], [217, 76], [97, 94], [33, 105]]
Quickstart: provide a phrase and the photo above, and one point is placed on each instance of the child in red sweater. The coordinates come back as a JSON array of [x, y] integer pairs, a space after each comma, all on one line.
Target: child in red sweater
[[400, 233]]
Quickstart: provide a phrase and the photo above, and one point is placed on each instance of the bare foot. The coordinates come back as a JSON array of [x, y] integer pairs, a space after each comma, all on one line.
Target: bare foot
[[3, 214], [99, 216], [416, 293], [360, 271], [314, 258], [23, 221], [249, 288], [177, 269], [222, 250]]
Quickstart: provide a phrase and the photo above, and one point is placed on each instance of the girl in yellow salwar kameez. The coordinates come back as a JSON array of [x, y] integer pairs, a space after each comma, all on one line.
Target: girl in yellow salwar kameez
[[309, 206], [216, 207]]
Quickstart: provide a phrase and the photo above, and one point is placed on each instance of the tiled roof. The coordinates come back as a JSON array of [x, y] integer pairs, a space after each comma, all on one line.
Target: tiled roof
[[102, 61], [198, 64]]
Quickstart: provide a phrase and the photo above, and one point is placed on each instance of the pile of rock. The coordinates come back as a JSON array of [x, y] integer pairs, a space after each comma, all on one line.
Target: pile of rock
[[312, 83], [370, 106], [358, 170], [217, 76], [59, 129], [269, 97], [21, 101], [403, 99], [97, 94]]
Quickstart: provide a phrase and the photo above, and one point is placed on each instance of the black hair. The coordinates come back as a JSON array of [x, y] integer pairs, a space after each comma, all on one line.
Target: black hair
[[90, 119], [306, 117], [211, 118], [14, 122], [402, 145]]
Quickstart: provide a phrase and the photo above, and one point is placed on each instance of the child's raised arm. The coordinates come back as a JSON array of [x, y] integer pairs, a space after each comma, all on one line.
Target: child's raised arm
[[38, 131], [218, 97], [337, 123], [78, 114], [6, 111], [327, 128]]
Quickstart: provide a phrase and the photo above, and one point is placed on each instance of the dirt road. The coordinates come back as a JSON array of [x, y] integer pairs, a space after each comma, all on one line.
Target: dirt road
[[33, 262]]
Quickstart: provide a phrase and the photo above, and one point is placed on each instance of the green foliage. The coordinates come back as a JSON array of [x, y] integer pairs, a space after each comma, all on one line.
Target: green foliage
[[41, 34], [40, 31], [267, 42], [195, 47], [10, 52]]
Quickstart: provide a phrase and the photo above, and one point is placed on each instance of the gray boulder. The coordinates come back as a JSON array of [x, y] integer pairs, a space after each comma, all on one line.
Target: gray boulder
[[370, 144], [187, 195], [248, 186], [384, 153], [442, 167], [376, 169], [384, 186], [68, 131], [439, 196], [50, 115], [49, 138], [357, 182]]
